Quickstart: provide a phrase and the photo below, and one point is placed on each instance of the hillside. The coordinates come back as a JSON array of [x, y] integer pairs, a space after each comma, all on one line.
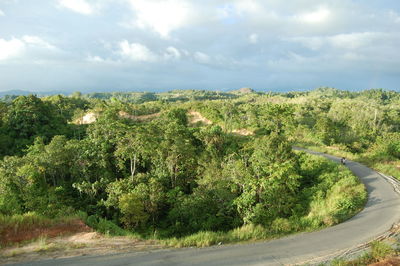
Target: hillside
[[175, 166]]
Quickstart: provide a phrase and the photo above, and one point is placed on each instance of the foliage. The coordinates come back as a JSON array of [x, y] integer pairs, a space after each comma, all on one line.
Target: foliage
[[192, 184], [102, 225], [379, 251]]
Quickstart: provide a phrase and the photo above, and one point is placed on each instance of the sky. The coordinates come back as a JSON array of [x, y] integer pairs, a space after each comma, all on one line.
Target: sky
[[136, 45]]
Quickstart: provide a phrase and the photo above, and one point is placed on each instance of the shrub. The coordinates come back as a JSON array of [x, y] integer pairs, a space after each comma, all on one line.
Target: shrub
[[281, 225], [102, 225], [380, 250]]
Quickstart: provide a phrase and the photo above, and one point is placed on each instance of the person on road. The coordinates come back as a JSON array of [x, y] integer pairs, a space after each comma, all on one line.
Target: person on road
[[343, 160]]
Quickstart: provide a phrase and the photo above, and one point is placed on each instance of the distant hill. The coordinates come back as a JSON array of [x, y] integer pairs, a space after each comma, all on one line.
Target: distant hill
[[14, 92], [39, 93], [243, 91]]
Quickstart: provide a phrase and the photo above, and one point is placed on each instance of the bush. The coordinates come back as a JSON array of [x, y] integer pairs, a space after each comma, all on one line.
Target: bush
[[102, 225], [338, 196], [380, 250], [387, 146], [133, 211], [109, 228], [281, 225]]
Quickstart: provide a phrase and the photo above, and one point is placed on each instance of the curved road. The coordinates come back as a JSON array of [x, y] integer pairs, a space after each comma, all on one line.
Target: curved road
[[381, 212]]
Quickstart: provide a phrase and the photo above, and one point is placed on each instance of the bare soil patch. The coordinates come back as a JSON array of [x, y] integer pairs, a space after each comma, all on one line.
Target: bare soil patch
[[138, 117], [387, 262], [87, 119], [12, 236], [243, 132], [79, 241], [195, 117]]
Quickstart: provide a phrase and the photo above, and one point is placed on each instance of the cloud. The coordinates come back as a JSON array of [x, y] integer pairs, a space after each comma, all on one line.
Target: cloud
[[345, 41], [79, 6], [10, 49], [2, 13], [244, 7], [38, 42], [95, 59], [354, 40], [162, 16], [136, 52], [253, 38], [172, 53], [394, 16], [25, 46], [313, 43], [202, 58], [318, 16], [202, 43]]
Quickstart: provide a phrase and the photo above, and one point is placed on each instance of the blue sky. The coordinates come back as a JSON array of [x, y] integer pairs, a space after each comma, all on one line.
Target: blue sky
[[100, 45]]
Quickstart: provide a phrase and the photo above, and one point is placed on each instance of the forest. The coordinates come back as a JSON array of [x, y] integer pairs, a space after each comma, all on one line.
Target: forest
[[188, 165]]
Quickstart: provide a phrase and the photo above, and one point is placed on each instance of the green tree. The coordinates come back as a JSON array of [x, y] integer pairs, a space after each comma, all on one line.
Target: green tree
[[135, 145]]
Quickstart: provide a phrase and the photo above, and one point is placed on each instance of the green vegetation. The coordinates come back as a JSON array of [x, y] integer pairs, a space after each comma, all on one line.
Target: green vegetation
[[144, 169], [378, 252]]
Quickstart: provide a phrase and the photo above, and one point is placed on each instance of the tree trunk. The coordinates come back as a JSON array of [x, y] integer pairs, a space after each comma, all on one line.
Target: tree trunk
[[133, 166]]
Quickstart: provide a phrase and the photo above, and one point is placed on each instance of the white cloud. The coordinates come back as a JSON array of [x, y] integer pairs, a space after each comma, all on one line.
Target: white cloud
[[2, 13], [394, 16], [244, 7], [313, 43], [95, 59], [354, 40], [38, 42], [347, 41], [136, 52], [226, 11], [202, 58], [79, 6], [353, 56], [172, 53], [317, 16], [162, 16], [253, 38], [26, 45], [11, 48]]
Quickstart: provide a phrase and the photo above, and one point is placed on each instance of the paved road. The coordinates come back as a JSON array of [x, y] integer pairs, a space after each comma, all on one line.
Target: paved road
[[381, 212]]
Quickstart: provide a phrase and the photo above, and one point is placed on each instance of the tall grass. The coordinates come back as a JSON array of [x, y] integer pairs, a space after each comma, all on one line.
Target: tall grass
[[378, 251], [248, 232], [29, 221]]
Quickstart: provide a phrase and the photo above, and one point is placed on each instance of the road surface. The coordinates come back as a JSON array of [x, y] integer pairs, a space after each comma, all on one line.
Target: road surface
[[381, 212]]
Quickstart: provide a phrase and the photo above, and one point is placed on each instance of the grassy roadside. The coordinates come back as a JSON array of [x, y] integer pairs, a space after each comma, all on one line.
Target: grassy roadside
[[24, 228], [380, 253]]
